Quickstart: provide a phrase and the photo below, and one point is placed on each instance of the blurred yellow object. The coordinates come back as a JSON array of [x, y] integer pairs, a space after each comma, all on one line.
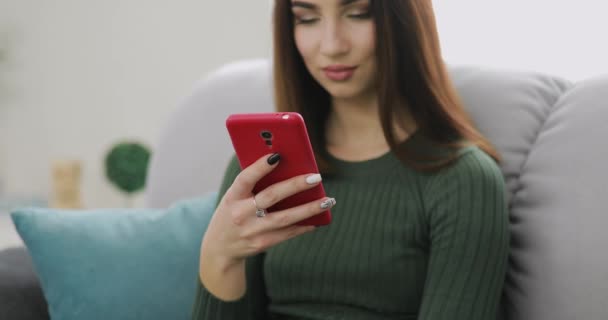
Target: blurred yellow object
[[66, 184]]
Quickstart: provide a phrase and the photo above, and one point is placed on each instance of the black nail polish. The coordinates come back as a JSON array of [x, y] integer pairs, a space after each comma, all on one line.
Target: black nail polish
[[273, 159]]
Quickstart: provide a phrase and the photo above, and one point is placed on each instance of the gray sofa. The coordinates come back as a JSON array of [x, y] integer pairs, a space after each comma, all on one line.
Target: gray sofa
[[21, 297], [549, 131]]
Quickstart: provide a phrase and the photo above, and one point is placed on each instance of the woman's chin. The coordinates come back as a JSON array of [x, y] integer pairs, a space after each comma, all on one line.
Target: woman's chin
[[343, 92]]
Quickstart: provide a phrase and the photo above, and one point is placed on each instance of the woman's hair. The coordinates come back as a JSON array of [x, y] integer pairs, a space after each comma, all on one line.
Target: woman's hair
[[411, 76]]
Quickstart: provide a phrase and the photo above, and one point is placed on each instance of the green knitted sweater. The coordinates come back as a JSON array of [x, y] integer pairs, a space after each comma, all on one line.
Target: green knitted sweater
[[402, 245]]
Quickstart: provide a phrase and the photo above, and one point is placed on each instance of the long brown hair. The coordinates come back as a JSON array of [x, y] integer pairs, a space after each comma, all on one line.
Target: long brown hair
[[411, 77]]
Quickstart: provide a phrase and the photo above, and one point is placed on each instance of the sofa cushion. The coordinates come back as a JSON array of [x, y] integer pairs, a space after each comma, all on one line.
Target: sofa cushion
[[117, 263], [20, 293], [559, 213], [509, 108], [194, 146]]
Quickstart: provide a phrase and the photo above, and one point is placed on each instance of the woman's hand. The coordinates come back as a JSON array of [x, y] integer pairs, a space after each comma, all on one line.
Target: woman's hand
[[235, 232]]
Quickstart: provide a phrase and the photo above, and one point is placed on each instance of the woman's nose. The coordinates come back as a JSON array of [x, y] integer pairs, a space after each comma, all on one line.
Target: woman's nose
[[334, 41]]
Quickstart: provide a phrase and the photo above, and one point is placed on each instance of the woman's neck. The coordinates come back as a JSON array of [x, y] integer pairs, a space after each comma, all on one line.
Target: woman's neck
[[354, 121], [354, 129]]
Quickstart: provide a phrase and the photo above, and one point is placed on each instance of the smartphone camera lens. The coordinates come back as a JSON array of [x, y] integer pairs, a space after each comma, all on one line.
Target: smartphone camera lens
[[266, 135]]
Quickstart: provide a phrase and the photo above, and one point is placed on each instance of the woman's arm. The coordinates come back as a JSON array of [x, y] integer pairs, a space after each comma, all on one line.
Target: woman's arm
[[253, 304], [468, 223]]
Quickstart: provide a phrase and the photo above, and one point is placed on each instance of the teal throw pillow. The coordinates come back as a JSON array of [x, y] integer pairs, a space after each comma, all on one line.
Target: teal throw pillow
[[117, 263]]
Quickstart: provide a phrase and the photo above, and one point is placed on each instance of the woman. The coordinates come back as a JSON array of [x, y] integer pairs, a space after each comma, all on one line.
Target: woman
[[420, 226]]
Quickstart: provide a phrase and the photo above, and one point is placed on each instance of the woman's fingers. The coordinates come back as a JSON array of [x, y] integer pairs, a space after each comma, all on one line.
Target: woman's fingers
[[284, 189], [243, 183], [289, 217], [246, 180], [239, 232]]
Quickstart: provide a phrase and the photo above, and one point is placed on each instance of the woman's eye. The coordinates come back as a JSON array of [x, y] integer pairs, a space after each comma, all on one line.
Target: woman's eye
[[360, 15], [305, 20]]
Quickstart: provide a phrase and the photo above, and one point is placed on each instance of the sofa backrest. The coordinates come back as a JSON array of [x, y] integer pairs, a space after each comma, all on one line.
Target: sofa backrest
[[550, 132]]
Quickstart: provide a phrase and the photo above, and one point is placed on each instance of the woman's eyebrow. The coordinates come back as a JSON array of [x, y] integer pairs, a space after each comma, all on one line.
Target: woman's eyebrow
[[302, 4], [344, 3]]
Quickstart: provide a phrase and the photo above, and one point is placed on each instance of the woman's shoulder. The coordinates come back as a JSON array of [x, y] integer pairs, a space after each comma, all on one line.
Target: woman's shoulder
[[471, 165], [473, 154], [473, 176]]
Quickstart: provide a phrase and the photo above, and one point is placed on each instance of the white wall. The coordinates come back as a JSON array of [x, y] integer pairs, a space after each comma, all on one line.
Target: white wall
[[82, 75], [561, 37]]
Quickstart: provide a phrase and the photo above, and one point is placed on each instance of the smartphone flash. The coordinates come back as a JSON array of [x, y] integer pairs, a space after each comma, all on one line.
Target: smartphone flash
[[286, 117]]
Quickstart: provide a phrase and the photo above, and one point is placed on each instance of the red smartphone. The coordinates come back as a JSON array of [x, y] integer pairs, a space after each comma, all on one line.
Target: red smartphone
[[254, 135]]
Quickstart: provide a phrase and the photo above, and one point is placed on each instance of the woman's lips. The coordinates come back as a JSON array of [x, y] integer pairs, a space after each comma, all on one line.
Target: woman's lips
[[339, 73]]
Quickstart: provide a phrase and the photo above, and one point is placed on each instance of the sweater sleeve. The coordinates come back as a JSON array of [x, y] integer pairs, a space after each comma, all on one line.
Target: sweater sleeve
[[469, 240], [252, 306]]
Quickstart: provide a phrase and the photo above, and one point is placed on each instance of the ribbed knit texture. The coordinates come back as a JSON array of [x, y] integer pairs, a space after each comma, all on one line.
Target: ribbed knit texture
[[402, 245]]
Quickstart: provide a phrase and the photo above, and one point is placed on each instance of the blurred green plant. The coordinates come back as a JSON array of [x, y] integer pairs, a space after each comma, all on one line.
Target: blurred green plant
[[126, 166]]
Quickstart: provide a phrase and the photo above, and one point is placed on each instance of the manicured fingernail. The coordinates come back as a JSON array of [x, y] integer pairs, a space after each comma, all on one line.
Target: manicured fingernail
[[273, 159], [313, 179], [328, 203]]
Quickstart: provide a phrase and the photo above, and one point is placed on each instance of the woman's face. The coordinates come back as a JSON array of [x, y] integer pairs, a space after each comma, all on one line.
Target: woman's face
[[336, 39]]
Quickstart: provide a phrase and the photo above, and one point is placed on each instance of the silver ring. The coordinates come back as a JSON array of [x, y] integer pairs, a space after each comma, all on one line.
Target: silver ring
[[260, 213]]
